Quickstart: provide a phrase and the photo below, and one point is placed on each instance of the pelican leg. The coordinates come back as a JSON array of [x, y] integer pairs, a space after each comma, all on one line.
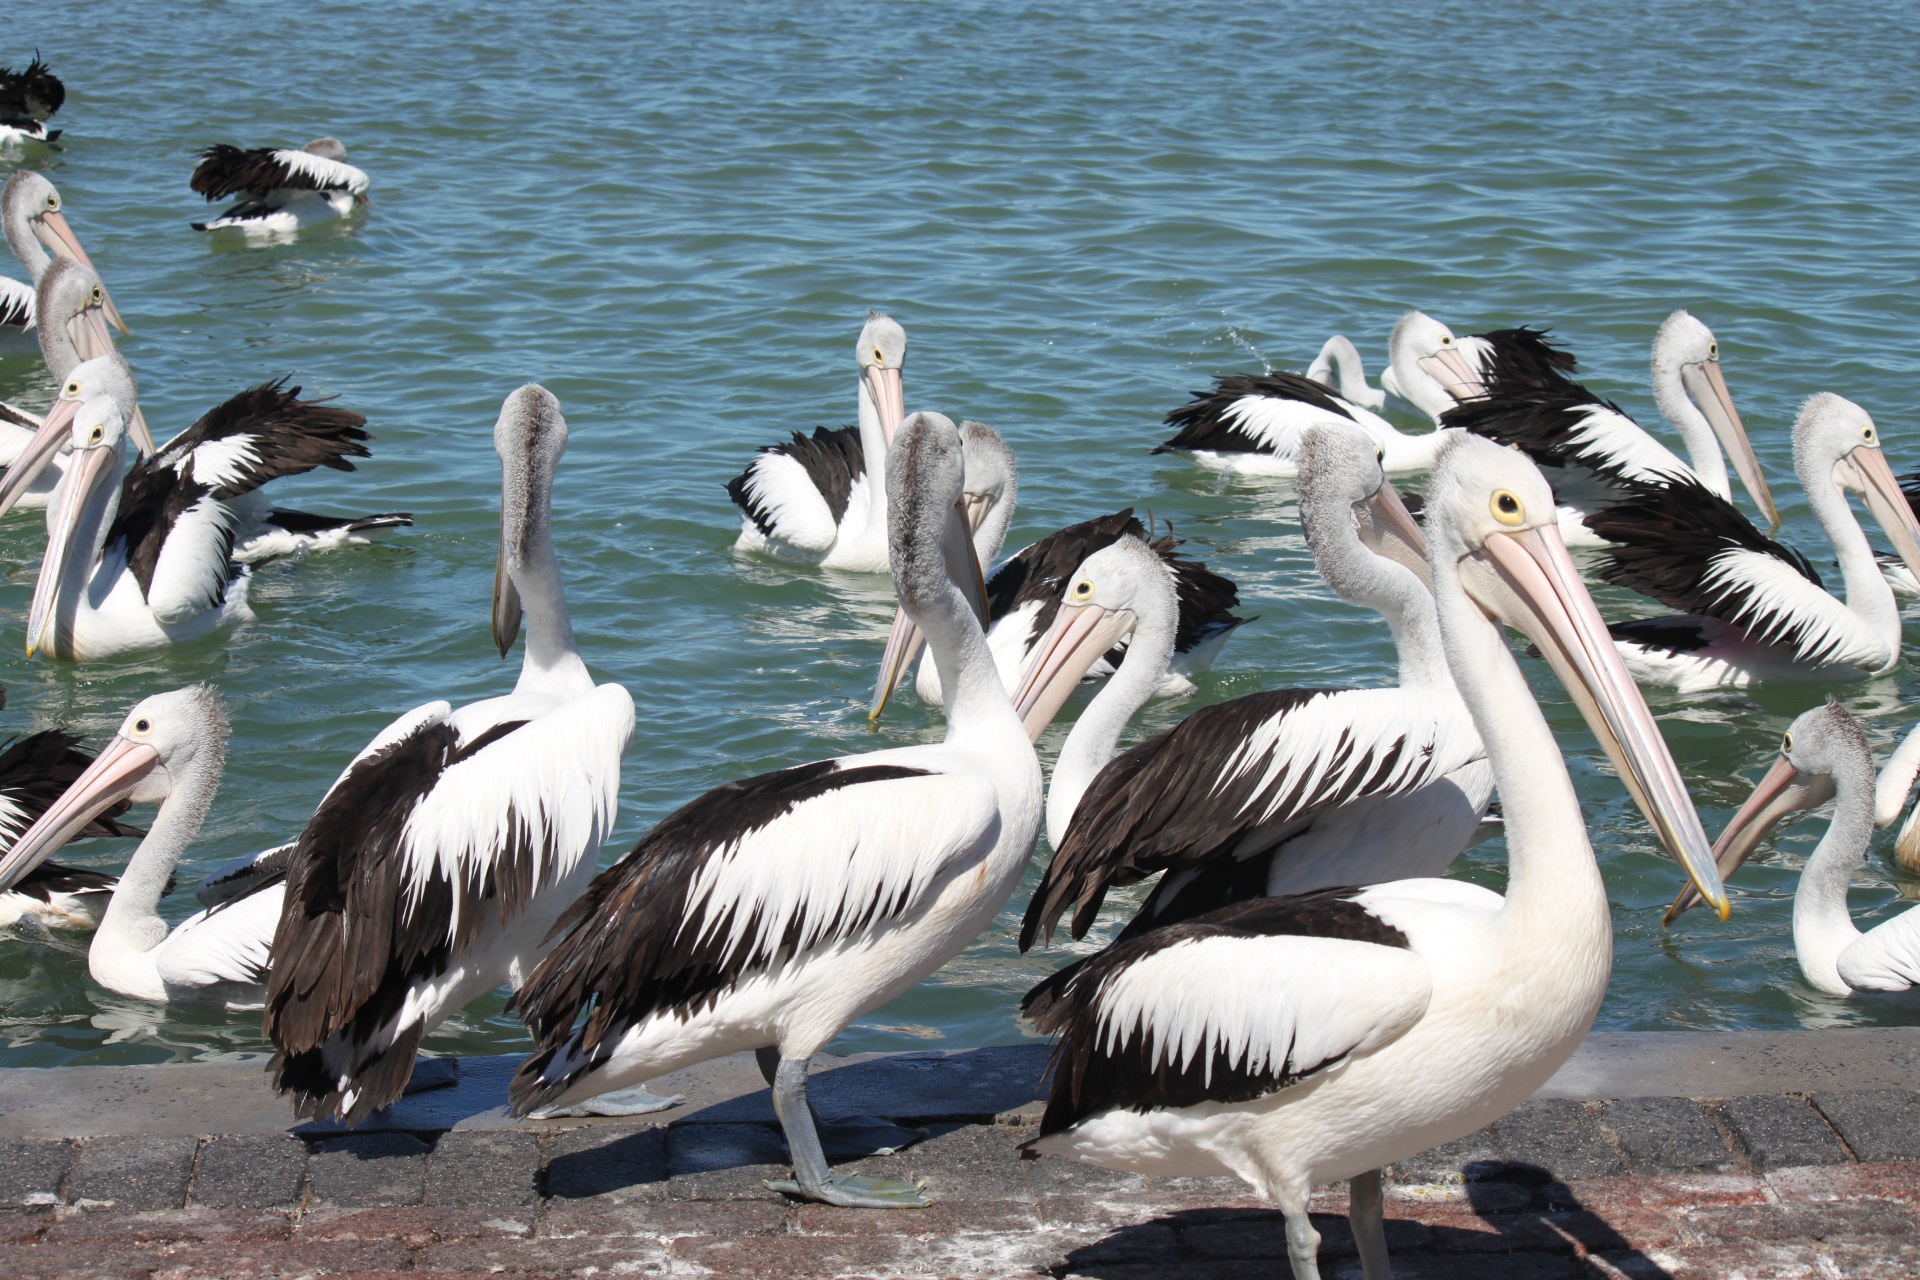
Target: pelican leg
[[1366, 1217], [851, 1138], [1303, 1245], [812, 1180]]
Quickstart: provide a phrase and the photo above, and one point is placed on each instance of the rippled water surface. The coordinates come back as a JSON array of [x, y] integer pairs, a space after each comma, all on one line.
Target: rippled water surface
[[675, 215]]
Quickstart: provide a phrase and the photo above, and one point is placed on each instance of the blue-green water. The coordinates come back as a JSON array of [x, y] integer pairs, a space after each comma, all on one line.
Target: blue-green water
[[674, 215]]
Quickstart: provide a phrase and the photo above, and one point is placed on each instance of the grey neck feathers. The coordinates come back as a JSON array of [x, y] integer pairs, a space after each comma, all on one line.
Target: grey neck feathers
[[551, 660], [1360, 577], [1822, 925]]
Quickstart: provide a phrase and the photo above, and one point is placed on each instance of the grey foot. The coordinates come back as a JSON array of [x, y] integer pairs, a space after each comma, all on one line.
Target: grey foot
[[852, 1191], [856, 1137], [433, 1073], [635, 1101]]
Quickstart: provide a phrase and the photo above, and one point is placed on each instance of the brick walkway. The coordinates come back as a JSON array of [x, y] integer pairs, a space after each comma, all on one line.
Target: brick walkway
[[1770, 1185]]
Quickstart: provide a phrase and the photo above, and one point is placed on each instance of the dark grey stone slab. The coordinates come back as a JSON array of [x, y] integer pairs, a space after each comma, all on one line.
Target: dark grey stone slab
[[1878, 1124], [479, 1170], [1559, 1135], [140, 1172], [1777, 1132], [365, 1170], [723, 1161], [250, 1171], [972, 1162], [1665, 1135], [974, 1084], [32, 1166], [1451, 1162], [608, 1164]]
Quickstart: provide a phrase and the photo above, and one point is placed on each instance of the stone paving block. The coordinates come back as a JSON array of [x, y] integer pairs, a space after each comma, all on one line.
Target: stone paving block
[[1664, 1135], [1040, 1253], [799, 1257], [136, 1172], [619, 1255], [941, 1218], [606, 1163], [1448, 1162], [250, 1171], [1882, 1260], [484, 1169], [1558, 1135], [1899, 1180], [77, 1262], [29, 1165], [1774, 1131], [971, 1162], [1789, 1222], [1148, 1242], [724, 1161], [732, 1218], [1878, 1124], [189, 1227], [363, 1169], [21, 1226]]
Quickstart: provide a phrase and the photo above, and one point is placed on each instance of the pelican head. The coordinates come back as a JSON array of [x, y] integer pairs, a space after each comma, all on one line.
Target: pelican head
[[104, 376], [1686, 350], [327, 148], [97, 432], [72, 306], [1836, 444], [1429, 366], [1822, 749], [882, 354], [1493, 533], [1341, 479], [1122, 588], [30, 210], [165, 736], [530, 437]]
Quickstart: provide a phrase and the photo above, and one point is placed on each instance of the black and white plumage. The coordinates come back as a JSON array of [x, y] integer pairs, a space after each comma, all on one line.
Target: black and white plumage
[[282, 190], [1751, 608], [28, 99], [436, 865], [1295, 1042], [822, 499], [770, 913], [34, 772], [1434, 370], [1252, 424]]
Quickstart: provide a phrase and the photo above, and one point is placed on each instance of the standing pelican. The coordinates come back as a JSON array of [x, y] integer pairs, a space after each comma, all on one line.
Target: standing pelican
[[434, 869], [1301, 1040], [1752, 609], [1825, 756], [1593, 453], [170, 751], [771, 912], [283, 191], [823, 500], [1271, 793]]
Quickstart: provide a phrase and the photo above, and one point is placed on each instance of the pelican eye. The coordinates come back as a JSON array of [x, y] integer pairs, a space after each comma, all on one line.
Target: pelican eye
[[1507, 509], [95, 295], [1786, 745], [1713, 351], [1446, 340], [72, 390], [53, 204], [1379, 453], [143, 726], [99, 434], [1866, 434], [1081, 590]]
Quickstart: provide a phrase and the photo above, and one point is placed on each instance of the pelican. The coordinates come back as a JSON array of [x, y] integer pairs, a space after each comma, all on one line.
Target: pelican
[[772, 911], [28, 100], [34, 771], [37, 231], [1592, 452], [433, 870], [1751, 608], [1300, 1040], [283, 191], [1499, 360], [823, 499], [1339, 367], [1024, 593], [169, 751], [140, 558], [1279, 792], [1824, 756]]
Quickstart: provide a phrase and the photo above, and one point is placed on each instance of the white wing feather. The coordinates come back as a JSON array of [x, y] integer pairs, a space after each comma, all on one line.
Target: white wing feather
[[1626, 445], [1886, 958], [330, 175], [1781, 601], [231, 943], [190, 575], [781, 486]]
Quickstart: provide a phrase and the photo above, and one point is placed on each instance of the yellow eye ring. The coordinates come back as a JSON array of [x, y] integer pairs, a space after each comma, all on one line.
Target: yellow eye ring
[[71, 391], [99, 434], [1083, 588], [1713, 351], [143, 726], [879, 356], [1786, 745], [1507, 508], [1866, 434], [1446, 340]]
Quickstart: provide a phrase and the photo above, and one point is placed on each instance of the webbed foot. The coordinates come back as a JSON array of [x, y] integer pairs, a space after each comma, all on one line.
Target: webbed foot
[[637, 1100], [855, 1191]]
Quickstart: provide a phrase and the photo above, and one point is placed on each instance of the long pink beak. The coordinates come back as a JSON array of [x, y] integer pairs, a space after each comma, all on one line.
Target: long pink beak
[[889, 398], [111, 778], [1455, 376], [85, 474], [38, 454], [61, 240], [1079, 637]]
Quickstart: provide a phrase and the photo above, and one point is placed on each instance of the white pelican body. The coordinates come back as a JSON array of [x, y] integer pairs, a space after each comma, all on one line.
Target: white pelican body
[[169, 751], [1298, 1041], [1272, 793], [823, 500], [436, 866], [769, 913], [1751, 608], [284, 191]]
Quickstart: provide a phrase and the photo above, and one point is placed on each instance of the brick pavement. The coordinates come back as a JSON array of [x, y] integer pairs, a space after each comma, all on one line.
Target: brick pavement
[[1770, 1185]]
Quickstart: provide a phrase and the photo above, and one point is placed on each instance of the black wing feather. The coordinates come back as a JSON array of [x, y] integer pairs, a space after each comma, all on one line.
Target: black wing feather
[[1524, 359], [226, 170], [833, 460], [29, 97], [1543, 423], [1204, 422], [288, 436]]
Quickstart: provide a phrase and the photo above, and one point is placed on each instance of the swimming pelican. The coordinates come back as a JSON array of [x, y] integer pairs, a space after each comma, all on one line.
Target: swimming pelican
[[772, 911], [1024, 592], [37, 231], [1339, 367], [1824, 756], [28, 100], [435, 867], [1751, 608], [34, 771], [140, 558], [1300, 1040], [823, 499], [283, 191], [1592, 452], [1420, 371], [170, 751], [1278, 792]]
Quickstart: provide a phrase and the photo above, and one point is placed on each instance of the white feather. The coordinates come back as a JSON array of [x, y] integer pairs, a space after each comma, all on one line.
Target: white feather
[[190, 575], [1886, 958], [331, 175], [780, 486], [1780, 600]]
